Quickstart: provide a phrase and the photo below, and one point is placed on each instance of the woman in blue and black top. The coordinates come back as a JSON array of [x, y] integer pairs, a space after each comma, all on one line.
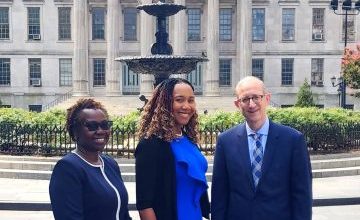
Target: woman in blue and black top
[[170, 169], [85, 184]]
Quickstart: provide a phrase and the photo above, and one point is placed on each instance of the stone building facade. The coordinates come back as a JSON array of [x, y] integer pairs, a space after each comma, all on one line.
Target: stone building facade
[[51, 49]]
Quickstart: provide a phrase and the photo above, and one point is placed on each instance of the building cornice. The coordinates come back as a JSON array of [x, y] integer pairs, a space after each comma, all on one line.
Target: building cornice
[[35, 53], [260, 2], [319, 2], [289, 2], [97, 1], [297, 53], [6, 3], [63, 2], [35, 1], [195, 1]]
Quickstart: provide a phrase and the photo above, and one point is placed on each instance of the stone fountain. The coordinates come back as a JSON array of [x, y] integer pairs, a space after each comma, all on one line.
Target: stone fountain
[[161, 63]]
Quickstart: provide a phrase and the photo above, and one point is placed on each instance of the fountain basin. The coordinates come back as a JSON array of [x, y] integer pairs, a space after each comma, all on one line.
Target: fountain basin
[[161, 9], [162, 65]]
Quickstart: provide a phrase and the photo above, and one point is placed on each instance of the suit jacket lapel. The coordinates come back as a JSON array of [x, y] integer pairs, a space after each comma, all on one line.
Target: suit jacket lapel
[[244, 153], [270, 149]]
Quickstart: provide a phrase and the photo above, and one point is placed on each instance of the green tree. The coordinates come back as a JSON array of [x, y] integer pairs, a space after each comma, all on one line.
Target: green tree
[[305, 97]]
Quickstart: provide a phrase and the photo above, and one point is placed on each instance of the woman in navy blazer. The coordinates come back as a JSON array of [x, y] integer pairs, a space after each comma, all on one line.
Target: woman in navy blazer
[[85, 184], [170, 169]]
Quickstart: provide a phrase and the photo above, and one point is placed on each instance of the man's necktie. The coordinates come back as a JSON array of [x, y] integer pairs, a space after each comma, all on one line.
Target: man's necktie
[[257, 158]]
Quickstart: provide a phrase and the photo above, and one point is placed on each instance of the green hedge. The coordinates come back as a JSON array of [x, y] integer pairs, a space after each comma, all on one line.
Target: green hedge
[[325, 130], [289, 116]]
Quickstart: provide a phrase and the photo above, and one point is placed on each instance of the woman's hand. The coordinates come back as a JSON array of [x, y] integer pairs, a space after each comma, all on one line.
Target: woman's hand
[[147, 214]]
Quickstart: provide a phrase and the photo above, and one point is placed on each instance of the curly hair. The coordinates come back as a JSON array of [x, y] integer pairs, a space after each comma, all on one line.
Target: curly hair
[[73, 113], [157, 118]]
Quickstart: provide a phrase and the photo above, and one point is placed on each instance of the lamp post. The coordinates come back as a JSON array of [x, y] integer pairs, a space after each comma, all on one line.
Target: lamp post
[[347, 6], [342, 89]]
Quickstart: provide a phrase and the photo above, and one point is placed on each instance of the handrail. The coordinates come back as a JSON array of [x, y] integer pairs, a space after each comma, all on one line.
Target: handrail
[[274, 104], [58, 100]]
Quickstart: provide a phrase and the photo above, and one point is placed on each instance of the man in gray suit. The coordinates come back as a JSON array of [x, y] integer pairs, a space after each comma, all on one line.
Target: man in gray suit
[[261, 169]]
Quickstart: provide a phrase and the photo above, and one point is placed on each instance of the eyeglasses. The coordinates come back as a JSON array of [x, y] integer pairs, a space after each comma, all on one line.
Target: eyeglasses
[[94, 125], [255, 98]]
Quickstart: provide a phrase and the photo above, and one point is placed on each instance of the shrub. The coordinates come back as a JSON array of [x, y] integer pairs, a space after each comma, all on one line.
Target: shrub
[[305, 97], [28, 132], [290, 116]]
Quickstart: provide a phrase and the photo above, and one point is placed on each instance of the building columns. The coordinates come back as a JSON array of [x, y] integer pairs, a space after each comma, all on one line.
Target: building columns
[[146, 39], [81, 49], [113, 79], [179, 34], [243, 48], [212, 71]]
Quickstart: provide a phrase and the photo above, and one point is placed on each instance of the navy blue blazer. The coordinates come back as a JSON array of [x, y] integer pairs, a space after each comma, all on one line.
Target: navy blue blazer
[[80, 191], [284, 191]]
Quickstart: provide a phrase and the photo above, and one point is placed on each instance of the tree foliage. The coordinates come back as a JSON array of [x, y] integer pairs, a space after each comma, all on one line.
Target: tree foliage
[[305, 97], [351, 67]]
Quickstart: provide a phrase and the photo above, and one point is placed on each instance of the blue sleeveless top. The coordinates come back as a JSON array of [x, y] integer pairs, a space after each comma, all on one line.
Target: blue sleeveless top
[[191, 183]]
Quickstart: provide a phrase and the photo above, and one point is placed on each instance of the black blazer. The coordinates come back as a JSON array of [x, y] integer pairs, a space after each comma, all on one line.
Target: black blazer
[[156, 180]]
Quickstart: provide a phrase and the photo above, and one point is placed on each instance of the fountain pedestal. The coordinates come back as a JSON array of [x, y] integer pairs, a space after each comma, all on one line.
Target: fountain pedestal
[[161, 63]]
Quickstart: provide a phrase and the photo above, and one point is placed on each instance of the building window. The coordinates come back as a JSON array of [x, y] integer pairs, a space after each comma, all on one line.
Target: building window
[[35, 108], [130, 81], [34, 23], [286, 106], [4, 23], [258, 24], [350, 28], [195, 77], [64, 23], [225, 24], [130, 24], [99, 72], [65, 72], [317, 71], [4, 71], [194, 24], [130, 78], [287, 71], [318, 24], [35, 71], [225, 72], [98, 23], [288, 24], [258, 68]]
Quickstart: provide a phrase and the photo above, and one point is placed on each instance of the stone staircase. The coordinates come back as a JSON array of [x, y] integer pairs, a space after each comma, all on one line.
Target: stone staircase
[[25, 167]]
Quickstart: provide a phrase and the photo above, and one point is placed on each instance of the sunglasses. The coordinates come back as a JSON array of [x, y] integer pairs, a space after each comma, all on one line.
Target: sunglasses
[[94, 125]]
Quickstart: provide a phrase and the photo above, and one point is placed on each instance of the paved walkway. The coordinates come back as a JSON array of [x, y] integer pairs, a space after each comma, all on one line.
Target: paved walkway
[[319, 213], [22, 190]]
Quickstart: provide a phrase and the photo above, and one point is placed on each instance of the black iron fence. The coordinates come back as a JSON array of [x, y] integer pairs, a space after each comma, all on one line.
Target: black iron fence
[[53, 140]]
